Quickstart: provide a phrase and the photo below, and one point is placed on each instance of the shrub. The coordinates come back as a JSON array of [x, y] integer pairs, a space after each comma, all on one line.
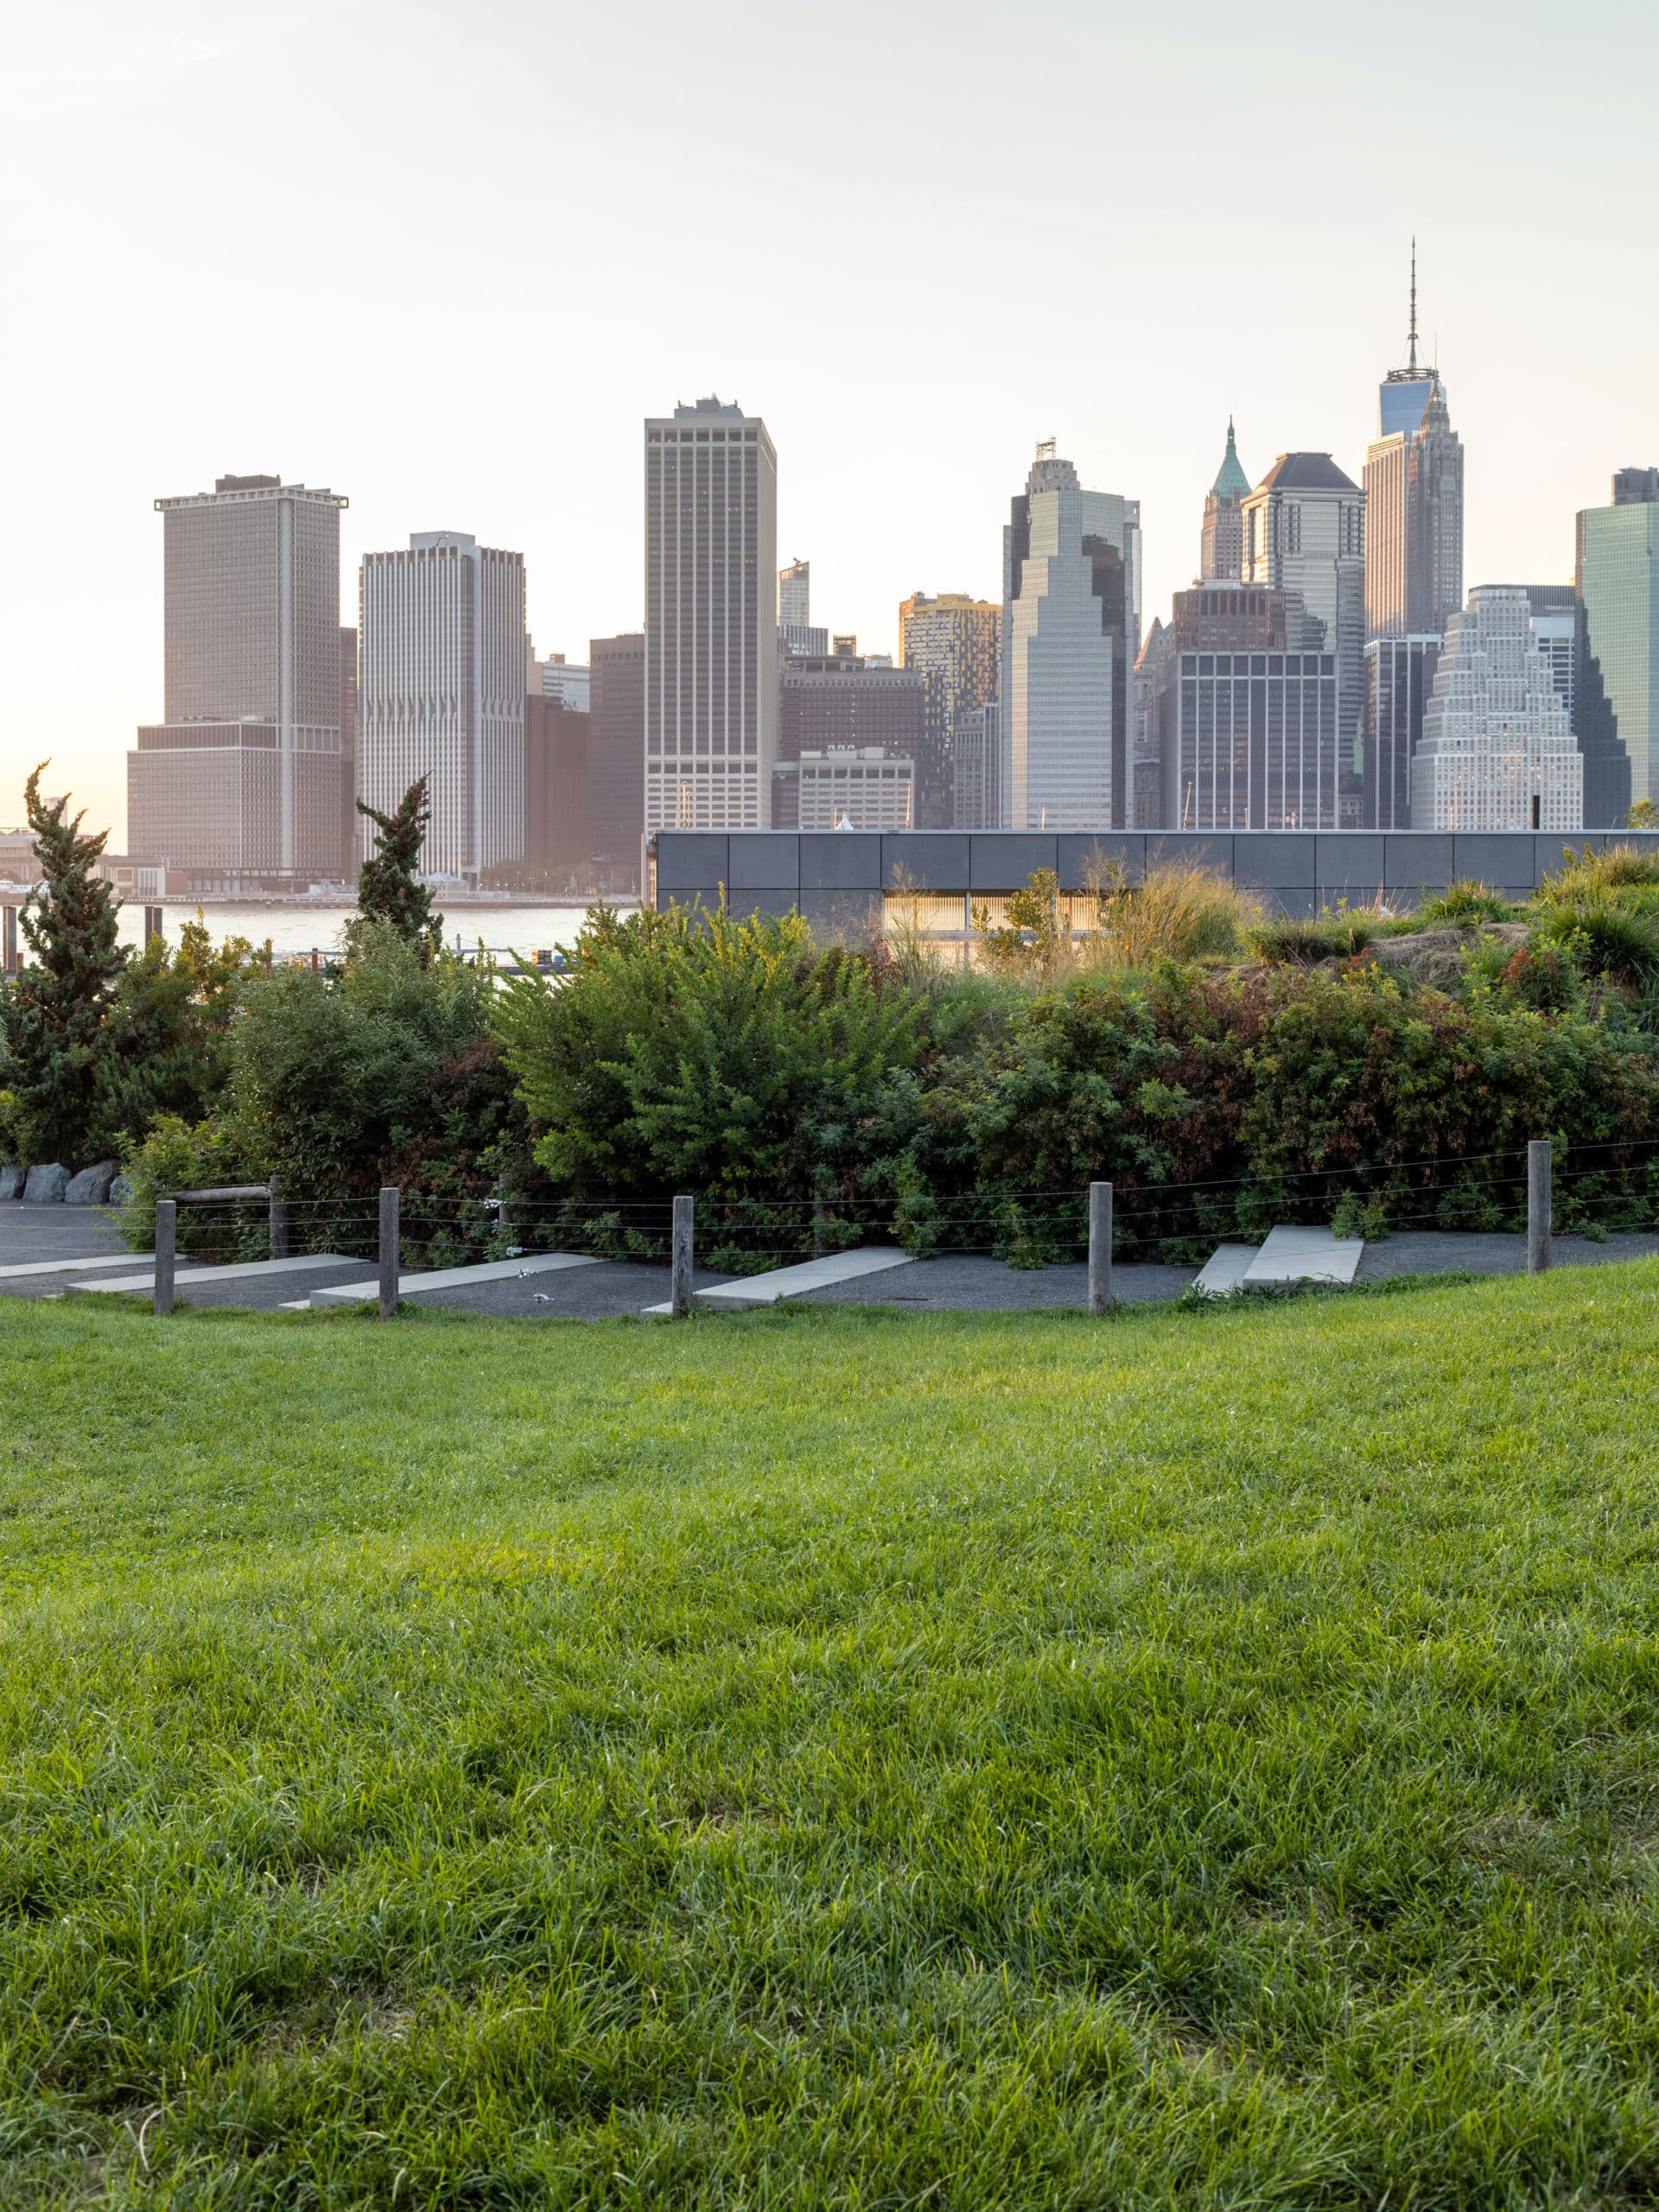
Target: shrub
[[382, 1072], [176, 1154], [167, 1036], [700, 1053], [1220, 1103]]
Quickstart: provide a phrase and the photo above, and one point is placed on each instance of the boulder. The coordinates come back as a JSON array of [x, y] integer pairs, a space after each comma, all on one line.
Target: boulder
[[45, 1185], [92, 1187], [1436, 957], [11, 1182], [120, 1190]]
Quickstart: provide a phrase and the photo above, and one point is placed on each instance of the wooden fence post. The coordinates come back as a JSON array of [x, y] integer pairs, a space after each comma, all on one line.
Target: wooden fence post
[[388, 1250], [167, 1222], [1540, 1205], [278, 1220], [681, 1292], [1100, 1247]]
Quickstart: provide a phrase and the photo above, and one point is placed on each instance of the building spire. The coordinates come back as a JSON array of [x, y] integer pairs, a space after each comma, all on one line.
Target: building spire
[[1413, 366], [1231, 482]]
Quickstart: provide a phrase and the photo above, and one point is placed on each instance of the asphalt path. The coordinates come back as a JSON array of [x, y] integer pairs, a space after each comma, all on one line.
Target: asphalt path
[[609, 1290]]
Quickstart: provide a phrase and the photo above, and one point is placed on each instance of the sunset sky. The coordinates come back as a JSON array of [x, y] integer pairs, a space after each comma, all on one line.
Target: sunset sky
[[445, 257]]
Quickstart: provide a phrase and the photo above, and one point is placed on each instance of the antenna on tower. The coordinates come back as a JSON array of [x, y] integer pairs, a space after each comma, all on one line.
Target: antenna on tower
[[1414, 305], [1048, 449]]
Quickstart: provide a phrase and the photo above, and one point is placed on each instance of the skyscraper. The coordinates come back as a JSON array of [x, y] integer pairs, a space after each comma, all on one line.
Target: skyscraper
[[440, 694], [559, 785], [1497, 751], [1400, 676], [1151, 672], [796, 633], [1221, 555], [348, 813], [1070, 636], [954, 642], [1249, 739], [1553, 611], [618, 725], [243, 775], [1616, 577], [711, 627], [795, 593], [978, 767], [1305, 532], [1413, 502]]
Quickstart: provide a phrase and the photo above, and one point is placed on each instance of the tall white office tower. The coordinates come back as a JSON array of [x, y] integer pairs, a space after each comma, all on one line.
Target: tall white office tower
[[711, 619], [1070, 635], [1497, 750], [1305, 532], [441, 694], [243, 778]]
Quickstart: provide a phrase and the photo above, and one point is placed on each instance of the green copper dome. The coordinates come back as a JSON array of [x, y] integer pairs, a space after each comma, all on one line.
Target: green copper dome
[[1232, 483]]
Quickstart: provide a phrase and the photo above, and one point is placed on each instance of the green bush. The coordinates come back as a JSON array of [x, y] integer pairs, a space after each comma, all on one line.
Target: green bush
[[176, 1154], [699, 1053], [1220, 1103], [382, 1073], [166, 1041]]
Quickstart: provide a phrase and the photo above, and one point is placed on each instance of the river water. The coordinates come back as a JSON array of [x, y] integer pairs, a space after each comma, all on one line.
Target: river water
[[305, 926]]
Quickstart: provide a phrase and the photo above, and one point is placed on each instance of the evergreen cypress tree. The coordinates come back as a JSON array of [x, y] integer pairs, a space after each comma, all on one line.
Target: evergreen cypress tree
[[52, 1017], [387, 888]]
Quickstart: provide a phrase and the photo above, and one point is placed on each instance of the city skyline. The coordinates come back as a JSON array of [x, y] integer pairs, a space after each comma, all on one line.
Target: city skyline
[[114, 127]]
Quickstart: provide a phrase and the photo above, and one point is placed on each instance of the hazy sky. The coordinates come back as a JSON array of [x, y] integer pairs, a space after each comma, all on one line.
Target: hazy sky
[[444, 258]]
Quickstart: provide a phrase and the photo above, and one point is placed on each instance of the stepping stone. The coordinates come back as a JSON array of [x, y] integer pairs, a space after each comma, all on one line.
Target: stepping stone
[[795, 1282], [422, 1284], [1225, 1270], [240, 1271], [69, 1267], [1298, 1255]]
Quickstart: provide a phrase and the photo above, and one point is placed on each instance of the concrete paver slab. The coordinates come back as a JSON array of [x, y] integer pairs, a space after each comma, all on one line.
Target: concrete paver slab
[[238, 1271], [1226, 1269], [1303, 1253], [71, 1266], [430, 1281], [809, 1275]]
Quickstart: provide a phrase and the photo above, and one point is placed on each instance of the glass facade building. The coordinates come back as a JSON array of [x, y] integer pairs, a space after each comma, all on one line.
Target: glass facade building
[[1251, 741], [1400, 679], [1617, 576], [1071, 637]]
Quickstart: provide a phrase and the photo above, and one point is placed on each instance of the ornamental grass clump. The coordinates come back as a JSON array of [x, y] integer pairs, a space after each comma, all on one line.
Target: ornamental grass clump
[[1604, 938], [1462, 902], [1179, 911]]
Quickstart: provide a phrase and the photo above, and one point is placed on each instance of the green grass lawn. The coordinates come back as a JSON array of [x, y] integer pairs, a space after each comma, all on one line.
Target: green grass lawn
[[824, 1759]]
